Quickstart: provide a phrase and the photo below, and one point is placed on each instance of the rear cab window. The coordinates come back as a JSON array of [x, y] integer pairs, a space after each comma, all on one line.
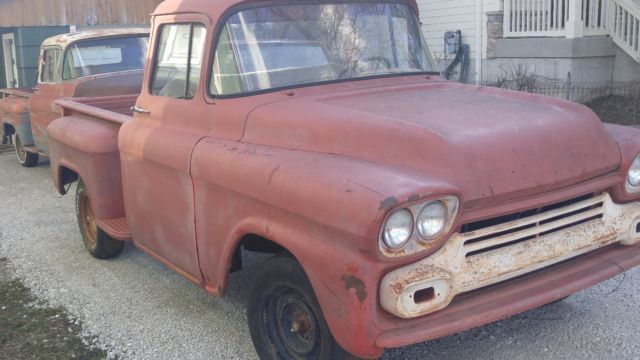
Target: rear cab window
[[50, 65], [178, 63], [103, 56]]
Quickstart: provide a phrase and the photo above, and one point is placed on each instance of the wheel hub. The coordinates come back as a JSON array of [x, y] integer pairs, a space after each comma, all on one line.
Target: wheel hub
[[90, 227], [22, 153], [292, 324]]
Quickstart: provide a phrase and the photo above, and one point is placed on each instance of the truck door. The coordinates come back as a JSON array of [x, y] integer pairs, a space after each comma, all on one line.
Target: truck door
[[48, 89], [170, 117]]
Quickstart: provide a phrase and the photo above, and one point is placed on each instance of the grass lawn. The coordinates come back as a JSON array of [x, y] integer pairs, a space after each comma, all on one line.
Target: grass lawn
[[29, 331]]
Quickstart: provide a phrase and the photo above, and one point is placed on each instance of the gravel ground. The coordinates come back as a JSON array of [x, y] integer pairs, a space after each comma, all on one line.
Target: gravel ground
[[139, 309]]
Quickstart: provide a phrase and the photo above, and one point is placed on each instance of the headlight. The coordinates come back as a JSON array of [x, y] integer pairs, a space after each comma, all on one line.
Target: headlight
[[417, 226], [432, 220], [633, 179], [398, 229]]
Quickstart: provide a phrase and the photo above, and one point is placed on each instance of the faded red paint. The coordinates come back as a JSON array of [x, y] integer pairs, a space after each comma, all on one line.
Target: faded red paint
[[29, 112], [318, 169]]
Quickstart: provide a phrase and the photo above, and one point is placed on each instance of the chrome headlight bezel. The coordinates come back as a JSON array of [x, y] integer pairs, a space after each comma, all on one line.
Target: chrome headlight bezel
[[632, 185], [419, 241]]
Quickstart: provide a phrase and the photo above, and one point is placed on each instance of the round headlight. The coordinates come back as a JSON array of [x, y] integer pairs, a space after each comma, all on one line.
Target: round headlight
[[398, 229], [633, 179], [432, 220]]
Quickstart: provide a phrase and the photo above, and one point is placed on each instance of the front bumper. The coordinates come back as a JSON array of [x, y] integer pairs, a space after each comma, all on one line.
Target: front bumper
[[515, 296], [498, 253]]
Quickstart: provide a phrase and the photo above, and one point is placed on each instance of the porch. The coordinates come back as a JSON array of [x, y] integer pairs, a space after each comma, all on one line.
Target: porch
[[619, 19]]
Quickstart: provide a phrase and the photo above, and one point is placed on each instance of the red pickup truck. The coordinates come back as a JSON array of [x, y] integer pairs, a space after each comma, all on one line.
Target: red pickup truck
[[399, 207], [83, 64]]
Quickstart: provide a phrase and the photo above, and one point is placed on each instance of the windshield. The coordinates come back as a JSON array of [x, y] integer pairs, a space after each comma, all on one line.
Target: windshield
[[105, 56], [287, 45]]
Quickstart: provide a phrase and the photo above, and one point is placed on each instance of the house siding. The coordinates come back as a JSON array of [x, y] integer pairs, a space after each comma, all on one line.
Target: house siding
[[21, 13], [440, 16], [28, 41]]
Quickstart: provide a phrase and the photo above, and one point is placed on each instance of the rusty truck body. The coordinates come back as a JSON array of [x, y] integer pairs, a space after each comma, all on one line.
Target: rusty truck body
[[82, 64], [400, 207]]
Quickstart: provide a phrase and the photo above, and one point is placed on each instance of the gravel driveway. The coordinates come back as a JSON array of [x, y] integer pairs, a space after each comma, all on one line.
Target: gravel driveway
[[138, 309]]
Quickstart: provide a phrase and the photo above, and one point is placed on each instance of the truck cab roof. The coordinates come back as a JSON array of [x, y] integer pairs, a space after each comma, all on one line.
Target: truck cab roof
[[215, 8], [65, 40]]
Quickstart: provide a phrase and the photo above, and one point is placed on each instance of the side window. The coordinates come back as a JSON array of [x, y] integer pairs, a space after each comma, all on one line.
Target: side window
[[50, 66], [226, 76], [178, 61]]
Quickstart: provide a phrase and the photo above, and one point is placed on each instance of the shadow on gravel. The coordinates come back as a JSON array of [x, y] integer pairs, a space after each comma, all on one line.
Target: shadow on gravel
[[4, 149]]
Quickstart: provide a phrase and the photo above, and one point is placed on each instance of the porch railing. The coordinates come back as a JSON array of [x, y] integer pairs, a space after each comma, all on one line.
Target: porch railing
[[556, 18], [576, 18], [625, 26]]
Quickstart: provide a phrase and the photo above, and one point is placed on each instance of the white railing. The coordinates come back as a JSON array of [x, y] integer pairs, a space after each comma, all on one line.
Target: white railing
[[625, 26], [556, 18], [525, 18], [595, 17]]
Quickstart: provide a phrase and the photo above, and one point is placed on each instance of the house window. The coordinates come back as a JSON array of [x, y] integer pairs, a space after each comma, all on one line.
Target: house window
[[178, 61]]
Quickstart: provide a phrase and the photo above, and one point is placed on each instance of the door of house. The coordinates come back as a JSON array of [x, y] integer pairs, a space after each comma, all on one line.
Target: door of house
[[10, 62]]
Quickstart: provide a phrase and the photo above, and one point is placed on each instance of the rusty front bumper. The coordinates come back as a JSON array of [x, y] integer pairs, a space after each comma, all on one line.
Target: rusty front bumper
[[494, 254], [515, 296]]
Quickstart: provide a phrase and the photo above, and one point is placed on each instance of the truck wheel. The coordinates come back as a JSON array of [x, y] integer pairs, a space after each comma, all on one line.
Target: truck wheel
[[25, 158], [99, 243], [284, 317]]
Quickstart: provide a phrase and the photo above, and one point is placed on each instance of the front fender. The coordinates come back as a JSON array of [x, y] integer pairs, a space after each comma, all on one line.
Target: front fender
[[628, 140], [325, 209]]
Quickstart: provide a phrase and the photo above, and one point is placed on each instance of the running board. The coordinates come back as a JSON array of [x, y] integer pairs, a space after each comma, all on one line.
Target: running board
[[116, 228]]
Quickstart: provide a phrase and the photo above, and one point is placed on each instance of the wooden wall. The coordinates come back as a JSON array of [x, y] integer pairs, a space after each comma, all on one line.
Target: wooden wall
[[17, 13]]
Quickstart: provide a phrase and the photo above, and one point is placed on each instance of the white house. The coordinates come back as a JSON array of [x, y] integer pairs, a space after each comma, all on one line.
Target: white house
[[594, 40]]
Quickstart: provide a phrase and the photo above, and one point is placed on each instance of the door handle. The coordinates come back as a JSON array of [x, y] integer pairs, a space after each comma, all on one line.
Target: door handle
[[139, 110]]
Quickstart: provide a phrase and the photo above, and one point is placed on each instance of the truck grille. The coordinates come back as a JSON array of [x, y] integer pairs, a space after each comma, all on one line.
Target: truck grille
[[488, 235]]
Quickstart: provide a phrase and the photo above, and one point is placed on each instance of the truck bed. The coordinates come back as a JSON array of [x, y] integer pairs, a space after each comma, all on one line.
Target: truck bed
[[22, 92], [14, 110], [115, 109], [84, 145]]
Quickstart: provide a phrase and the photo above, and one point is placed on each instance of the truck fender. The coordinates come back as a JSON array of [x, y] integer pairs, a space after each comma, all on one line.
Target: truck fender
[[324, 209], [86, 148], [628, 140]]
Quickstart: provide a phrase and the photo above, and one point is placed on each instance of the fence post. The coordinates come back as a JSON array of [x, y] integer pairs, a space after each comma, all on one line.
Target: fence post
[[575, 24], [567, 85]]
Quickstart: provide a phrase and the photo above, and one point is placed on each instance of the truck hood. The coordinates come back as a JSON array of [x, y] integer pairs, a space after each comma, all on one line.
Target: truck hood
[[488, 143]]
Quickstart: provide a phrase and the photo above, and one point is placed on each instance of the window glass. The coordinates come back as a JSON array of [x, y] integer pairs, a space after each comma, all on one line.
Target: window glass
[[50, 66], [179, 61], [284, 45], [105, 56]]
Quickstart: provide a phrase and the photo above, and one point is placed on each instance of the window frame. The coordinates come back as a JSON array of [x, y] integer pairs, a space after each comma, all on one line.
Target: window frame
[[41, 68], [220, 26], [68, 49], [156, 56]]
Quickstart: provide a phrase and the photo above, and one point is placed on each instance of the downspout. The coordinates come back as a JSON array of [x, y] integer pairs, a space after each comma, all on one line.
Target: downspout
[[478, 42]]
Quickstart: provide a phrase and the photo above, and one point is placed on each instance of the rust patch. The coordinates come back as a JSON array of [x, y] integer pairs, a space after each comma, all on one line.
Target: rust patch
[[352, 282], [388, 203]]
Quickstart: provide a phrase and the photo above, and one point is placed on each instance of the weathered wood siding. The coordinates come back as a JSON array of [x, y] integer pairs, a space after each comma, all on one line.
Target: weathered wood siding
[[18, 13]]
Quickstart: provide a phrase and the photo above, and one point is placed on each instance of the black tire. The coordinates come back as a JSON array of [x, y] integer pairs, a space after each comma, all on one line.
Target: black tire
[[285, 319], [99, 244], [25, 158]]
